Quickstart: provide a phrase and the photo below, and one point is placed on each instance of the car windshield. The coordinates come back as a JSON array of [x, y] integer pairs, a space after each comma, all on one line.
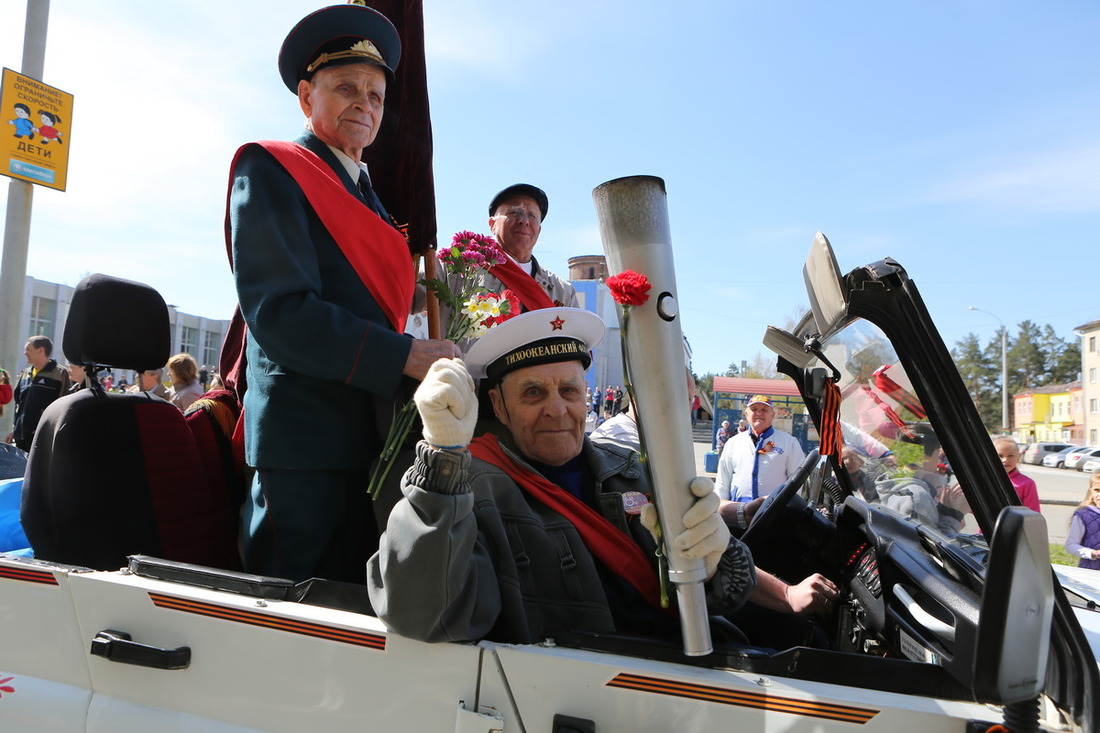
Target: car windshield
[[892, 455]]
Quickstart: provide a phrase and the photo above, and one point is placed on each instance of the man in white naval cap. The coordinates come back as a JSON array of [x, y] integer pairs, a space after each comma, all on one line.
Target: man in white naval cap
[[513, 538]]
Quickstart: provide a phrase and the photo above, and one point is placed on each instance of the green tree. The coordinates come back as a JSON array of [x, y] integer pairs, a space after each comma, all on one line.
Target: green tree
[[1063, 358], [1027, 363], [982, 376], [762, 366], [1037, 357], [1068, 366]]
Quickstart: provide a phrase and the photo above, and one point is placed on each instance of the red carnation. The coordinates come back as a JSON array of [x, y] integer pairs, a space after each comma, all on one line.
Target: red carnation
[[629, 288]]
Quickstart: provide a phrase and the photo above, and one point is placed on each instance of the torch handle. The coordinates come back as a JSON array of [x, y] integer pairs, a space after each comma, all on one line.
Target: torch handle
[[633, 218]]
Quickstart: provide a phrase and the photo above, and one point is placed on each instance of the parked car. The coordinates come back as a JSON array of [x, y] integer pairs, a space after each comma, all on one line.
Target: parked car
[[1091, 465], [1074, 460], [1037, 451], [1058, 460]]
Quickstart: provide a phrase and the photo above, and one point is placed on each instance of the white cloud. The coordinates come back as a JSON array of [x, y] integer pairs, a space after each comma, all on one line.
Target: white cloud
[[1052, 181]]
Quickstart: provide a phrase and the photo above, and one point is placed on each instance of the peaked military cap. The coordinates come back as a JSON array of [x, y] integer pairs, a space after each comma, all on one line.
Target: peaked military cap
[[338, 34]]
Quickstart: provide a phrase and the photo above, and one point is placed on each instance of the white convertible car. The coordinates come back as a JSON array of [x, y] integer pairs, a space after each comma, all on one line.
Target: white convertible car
[[945, 623]]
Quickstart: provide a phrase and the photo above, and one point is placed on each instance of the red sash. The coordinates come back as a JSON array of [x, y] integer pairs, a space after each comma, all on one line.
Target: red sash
[[529, 292], [618, 552], [375, 250]]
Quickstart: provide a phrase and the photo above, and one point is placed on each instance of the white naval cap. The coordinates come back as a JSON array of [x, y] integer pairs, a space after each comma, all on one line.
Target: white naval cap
[[536, 337]]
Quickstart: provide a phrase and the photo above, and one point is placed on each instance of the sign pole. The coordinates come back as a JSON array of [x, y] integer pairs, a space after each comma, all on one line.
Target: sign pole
[[17, 222]]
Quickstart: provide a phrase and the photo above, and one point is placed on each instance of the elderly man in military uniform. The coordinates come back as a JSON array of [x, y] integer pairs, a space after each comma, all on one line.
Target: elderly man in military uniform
[[512, 538], [324, 281]]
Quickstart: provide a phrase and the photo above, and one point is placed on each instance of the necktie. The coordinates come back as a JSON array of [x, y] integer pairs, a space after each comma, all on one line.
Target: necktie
[[756, 459], [371, 198]]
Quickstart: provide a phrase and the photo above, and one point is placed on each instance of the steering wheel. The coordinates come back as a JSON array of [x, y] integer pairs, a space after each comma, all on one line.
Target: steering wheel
[[770, 510]]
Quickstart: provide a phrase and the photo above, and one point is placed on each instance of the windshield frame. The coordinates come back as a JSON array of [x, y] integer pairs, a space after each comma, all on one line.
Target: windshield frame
[[882, 294]]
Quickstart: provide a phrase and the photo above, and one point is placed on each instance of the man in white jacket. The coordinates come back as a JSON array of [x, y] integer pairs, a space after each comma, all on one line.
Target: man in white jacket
[[755, 463]]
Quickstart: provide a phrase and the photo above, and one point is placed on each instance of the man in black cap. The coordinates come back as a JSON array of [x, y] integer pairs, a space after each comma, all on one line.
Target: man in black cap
[[515, 219], [324, 281], [543, 529]]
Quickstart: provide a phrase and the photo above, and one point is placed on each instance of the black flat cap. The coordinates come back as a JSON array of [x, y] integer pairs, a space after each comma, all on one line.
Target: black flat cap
[[521, 189], [338, 34]]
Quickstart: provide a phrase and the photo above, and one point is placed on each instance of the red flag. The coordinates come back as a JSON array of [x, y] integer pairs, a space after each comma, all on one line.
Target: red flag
[[400, 158]]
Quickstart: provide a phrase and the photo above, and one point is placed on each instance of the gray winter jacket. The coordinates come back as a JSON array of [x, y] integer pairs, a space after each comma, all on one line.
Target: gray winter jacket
[[914, 499], [468, 555]]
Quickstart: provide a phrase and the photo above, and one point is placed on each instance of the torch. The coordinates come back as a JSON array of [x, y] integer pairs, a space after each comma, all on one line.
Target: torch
[[633, 219]]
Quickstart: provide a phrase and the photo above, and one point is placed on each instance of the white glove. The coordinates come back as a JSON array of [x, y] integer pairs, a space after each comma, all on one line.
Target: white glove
[[706, 535], [447, 404]]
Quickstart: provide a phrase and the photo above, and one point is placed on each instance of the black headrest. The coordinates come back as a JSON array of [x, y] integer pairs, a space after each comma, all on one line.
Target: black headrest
[[117, 323]]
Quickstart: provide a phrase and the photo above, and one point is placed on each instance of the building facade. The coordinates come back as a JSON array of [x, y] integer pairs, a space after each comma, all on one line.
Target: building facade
[[1046, 414], [1089, 334], [46, 309]]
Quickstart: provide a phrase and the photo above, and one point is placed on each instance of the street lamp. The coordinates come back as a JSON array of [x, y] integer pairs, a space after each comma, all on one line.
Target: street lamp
[[1004, 368]]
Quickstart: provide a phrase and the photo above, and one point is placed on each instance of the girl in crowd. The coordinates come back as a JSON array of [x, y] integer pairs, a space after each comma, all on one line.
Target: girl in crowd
[[1009, 453], [1083, 539]]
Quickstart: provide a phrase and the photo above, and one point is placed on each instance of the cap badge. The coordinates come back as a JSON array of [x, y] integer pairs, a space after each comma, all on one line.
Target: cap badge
[[363, 49], [556, 324]]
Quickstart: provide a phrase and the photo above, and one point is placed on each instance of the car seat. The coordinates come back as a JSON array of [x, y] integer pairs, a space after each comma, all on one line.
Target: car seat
[[116, 474]]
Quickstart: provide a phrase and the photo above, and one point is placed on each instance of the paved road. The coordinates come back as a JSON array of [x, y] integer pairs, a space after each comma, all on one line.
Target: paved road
[[1058, 484], [1059, 489]]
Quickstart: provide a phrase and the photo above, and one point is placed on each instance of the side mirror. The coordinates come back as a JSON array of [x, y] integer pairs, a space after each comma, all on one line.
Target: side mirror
[[1010, 660]]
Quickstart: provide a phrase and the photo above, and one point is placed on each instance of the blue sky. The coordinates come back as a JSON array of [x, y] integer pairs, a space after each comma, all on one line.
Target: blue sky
[[960, 138]]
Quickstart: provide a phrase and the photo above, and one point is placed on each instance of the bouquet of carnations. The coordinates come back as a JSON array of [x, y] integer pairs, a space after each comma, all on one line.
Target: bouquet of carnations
[[474, 310]]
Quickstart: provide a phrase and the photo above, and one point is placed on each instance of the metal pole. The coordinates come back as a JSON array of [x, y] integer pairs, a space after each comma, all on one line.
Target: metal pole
[[17, 222], [633, 219]]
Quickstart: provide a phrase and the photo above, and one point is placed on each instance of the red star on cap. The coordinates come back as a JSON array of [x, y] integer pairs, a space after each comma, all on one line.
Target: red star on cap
[[557, 323]]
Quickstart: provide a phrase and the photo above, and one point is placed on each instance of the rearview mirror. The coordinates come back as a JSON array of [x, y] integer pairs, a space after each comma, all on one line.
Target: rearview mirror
[[824, 285], [788, 346]]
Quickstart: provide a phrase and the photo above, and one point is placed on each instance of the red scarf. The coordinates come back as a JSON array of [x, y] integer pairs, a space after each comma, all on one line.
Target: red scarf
[[529, 292], [375, 250], [618, 552]]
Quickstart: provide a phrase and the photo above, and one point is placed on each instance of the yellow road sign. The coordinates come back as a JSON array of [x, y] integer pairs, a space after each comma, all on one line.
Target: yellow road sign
[[34, 144]]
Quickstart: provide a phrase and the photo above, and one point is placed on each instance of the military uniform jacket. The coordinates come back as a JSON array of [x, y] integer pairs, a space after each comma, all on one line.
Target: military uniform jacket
[[469, 555], [324, 363]]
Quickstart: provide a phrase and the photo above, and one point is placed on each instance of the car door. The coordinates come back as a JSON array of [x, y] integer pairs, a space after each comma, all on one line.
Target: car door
[[619, 694], [44, 680], [258, 665]]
